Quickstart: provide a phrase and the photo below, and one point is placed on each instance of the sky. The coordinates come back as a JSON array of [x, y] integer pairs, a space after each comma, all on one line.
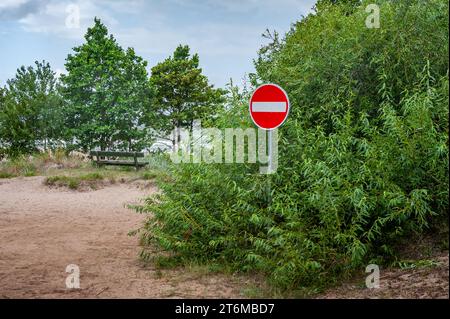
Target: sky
[[226, 34]]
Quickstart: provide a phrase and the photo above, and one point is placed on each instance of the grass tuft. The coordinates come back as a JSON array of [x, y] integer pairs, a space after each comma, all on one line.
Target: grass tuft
[[75, 182], [6, 175]]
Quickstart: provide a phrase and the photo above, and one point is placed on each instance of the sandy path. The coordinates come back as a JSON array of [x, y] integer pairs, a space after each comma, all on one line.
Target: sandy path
[[421, 283], [43, 230]]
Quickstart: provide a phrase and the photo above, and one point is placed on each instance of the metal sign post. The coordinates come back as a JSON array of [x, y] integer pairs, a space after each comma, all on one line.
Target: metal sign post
[[270, 168]]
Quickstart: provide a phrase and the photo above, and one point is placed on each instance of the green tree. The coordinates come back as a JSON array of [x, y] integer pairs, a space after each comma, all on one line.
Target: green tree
[[30, 110], [181, 92], [348, 6], [107, 92]]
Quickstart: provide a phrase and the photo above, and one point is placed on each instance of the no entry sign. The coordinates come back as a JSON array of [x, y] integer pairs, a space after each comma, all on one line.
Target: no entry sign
[[269, 106]]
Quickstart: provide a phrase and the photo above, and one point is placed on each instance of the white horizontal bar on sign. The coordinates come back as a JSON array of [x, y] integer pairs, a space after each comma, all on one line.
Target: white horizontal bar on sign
[[269, 107]]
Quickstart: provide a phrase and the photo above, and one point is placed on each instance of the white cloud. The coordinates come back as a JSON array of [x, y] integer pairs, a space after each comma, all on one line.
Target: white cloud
[[58, 72], [51, 18], [254, 5], [124, 6], [207, 39], [249, 6], [11, 4]]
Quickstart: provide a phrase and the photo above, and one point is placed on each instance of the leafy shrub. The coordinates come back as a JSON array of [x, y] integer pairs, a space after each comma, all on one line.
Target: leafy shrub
[[158, 168], [363, 157]]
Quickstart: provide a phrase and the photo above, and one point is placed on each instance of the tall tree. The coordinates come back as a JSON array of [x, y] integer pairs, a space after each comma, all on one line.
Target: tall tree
[[107, 92], [181, 92], [30, 110]]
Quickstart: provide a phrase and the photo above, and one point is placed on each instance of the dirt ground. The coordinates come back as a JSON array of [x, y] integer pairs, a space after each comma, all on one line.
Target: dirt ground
[[420, 283], [43, 230]]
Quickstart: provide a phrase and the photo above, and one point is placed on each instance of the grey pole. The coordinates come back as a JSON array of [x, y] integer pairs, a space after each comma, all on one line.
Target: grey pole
[[269, 168], [270, 153]]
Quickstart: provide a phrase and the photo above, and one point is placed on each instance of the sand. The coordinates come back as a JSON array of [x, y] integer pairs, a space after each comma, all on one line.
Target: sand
[[42, 230]]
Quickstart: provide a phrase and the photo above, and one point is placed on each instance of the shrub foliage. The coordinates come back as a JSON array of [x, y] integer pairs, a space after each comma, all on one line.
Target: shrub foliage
[[363, 157]]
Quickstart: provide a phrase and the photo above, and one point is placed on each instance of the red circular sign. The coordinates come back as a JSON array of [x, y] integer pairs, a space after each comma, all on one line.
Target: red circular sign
[[269, 106]]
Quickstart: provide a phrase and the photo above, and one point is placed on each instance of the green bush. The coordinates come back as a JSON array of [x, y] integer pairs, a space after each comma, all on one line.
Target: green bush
[[363, 157]]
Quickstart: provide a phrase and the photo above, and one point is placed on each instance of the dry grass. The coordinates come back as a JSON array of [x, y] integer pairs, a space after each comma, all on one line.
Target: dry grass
[[39, 164]]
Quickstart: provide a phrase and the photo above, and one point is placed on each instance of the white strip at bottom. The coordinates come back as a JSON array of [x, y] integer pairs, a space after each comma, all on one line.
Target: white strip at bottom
[[275, 107]]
